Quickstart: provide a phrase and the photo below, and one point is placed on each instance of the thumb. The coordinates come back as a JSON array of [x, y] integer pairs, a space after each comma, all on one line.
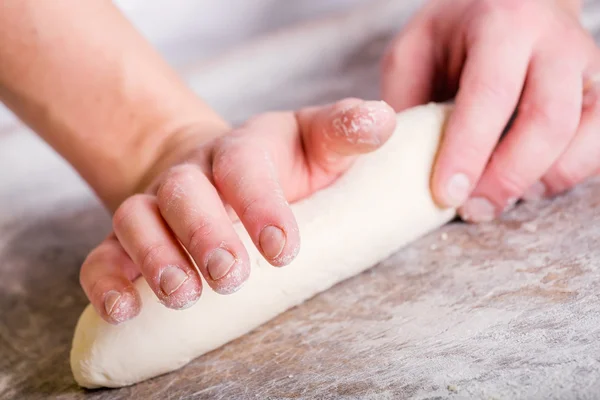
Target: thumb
[[408, 70], [335, 135]]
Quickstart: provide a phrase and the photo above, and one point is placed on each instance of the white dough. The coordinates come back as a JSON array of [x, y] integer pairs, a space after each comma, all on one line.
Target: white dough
[[380, 204]]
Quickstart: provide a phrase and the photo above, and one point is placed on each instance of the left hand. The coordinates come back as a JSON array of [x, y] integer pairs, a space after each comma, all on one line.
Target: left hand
[[181, 218], [495, 57]]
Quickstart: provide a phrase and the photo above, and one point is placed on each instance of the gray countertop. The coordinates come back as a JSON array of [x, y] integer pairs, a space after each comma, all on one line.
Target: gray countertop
[[504, 310]]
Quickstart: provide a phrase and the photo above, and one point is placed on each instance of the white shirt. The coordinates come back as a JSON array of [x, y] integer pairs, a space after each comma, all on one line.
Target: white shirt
[[185, 30]]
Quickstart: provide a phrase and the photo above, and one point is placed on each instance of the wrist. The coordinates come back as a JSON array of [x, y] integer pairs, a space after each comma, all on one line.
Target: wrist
[[103, 99]]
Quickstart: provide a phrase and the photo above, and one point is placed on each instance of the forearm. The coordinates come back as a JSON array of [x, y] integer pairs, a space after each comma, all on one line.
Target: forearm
[[81, 76]]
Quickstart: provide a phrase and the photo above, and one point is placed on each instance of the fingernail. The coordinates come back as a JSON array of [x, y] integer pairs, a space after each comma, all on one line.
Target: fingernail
[[478, 209], [110, 301], [360, 123], [271, 241], [219, 263], [537, 191], [457, 191], [171, 279]]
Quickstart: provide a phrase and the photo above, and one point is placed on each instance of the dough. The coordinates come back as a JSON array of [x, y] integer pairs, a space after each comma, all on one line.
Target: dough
[[380, 204]]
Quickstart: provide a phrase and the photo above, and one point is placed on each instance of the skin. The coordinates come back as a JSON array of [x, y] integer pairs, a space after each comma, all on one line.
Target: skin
[[176, 176], [495, 57]]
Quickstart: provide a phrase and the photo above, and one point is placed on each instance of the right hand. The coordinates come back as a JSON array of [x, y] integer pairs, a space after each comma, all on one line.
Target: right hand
[[492, 57]]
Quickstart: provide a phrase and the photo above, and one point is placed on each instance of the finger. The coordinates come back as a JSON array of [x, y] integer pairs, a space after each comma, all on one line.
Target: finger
[[334, 135], [488, 94], [106, 276], [244, 173], [154, 249], [548, 117], [408, 70], [581, 160], [194, 211]]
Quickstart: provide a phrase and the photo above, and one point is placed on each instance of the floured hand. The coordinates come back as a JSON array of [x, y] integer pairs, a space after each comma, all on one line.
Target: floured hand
[[186, 210]]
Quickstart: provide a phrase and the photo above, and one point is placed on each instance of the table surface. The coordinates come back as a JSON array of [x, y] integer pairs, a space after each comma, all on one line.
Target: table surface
[[492, 311], [503, 310]]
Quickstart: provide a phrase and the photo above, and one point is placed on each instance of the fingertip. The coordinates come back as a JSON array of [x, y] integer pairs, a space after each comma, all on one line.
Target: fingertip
[[118, 306], [179, 289], [279, 246], [450, 191], [234, 279], [226, 270], [361, 128], [272, 240]]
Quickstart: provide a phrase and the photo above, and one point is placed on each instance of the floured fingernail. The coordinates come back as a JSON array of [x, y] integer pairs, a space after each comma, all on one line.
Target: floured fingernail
[[478, 209], [110, 301], [271, 241], [219, 263], [234, 280], [457, 190], [122, 306], [171, 279], [359, 124], [537, 191]]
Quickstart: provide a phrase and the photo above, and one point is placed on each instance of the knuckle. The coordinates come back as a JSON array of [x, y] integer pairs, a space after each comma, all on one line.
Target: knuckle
[[176, 180], [489, 16], [179, 175], [555, 116], [225, 157], [198, 235], [510, 184], [98, 287], [98, 255], [127, 209], [401, 50], [492, 90], [149, 253], [486, 16], [248, 208], [103, 254]]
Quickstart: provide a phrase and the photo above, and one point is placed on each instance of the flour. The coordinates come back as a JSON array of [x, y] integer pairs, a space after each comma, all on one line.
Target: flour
[[377, 206]]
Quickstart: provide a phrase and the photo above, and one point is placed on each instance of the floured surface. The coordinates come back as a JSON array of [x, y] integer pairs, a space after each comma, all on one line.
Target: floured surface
[[501, 311], [507, 310], [381, 203]]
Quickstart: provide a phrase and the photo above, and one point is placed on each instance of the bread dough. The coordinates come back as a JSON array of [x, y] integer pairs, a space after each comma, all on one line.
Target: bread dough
[[380, 204]]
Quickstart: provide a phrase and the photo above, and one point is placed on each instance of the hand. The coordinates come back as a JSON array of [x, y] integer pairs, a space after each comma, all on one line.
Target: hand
[[496, 56], [197, 190]]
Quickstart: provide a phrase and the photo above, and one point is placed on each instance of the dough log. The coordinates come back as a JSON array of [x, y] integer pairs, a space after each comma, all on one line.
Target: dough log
[[380, 204]]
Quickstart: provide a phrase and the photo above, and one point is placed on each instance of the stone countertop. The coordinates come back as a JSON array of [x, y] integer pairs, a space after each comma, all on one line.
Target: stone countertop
[[498, 311], [503, 310]]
